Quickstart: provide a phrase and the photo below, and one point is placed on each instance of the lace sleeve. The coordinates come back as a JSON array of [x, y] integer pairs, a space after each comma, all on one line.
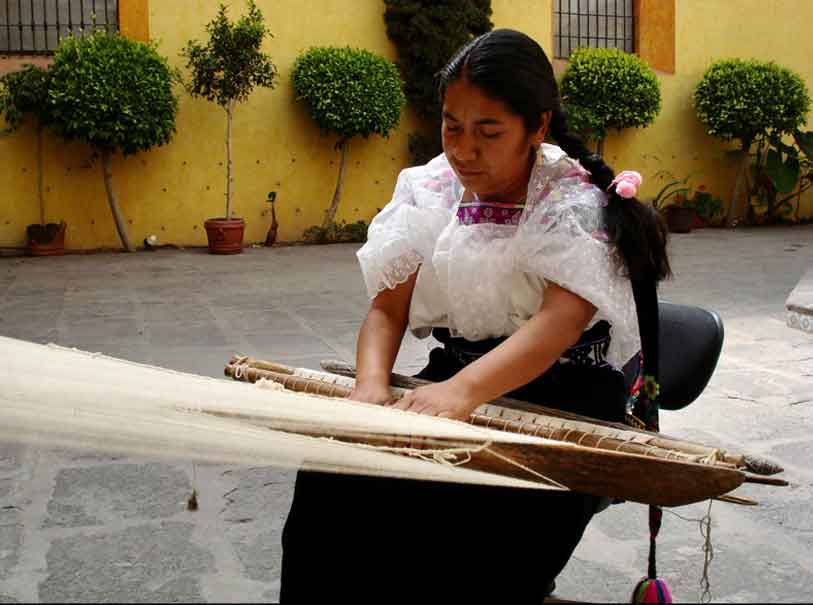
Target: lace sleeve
[[563, 240], [404, 233]]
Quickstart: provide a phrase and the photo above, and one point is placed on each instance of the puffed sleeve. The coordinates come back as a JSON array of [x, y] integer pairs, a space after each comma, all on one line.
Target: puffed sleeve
[[405, 232], [563, 239]]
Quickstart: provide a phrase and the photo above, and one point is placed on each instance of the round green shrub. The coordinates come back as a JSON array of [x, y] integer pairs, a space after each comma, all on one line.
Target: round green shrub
[[23, 94], [349, 91], [113, 93], [605, 88], [747, 99]]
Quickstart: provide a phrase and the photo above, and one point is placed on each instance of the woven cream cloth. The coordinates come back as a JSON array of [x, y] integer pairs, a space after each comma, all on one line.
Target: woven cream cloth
[[56, 397]]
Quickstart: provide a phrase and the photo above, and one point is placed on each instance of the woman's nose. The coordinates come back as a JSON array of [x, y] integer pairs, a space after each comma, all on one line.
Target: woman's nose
[[465, 148]]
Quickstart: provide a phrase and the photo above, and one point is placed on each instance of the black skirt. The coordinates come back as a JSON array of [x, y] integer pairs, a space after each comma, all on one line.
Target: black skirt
[[366, 539]]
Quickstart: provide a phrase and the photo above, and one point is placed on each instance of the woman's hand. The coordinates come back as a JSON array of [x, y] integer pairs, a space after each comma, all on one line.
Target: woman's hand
[[447, 399], [378, 394]]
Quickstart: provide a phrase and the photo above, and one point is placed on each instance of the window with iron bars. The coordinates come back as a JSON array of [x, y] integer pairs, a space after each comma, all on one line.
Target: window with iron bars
[[593, 23], [36, 26]]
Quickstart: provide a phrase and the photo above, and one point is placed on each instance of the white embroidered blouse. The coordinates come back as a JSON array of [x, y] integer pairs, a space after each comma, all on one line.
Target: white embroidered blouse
[[485, 280]]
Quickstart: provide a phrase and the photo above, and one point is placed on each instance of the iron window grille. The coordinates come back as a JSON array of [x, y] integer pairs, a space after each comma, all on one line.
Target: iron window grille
[[593, 23], [36, 26]]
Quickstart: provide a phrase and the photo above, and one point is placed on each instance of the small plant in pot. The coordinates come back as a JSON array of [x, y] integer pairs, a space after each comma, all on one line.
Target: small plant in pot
[[225, 70], [673, 201], [24, 96]]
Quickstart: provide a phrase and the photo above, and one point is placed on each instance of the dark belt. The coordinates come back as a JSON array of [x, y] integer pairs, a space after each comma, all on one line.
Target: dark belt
[[590, 350]]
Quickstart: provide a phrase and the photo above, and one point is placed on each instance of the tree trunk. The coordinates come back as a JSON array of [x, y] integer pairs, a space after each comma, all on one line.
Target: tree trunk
[[229, 116], [600, 147], [741, 178], [107, 167], [330, 213], [40, 188]]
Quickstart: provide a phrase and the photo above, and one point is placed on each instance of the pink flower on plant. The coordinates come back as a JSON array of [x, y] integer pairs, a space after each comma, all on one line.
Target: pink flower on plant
[[627, 183]]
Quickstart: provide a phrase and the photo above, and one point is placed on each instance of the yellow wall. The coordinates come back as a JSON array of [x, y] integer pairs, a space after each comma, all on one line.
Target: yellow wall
[[172, 190], [706, 31]]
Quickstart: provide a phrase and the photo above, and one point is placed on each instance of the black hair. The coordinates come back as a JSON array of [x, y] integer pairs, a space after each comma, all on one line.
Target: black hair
[[510, 66]]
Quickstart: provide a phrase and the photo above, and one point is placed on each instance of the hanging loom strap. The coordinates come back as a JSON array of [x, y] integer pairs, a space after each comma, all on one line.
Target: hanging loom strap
[[655, 517]]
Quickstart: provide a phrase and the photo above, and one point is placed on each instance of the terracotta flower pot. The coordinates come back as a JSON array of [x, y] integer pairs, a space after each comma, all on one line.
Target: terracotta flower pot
[[679, 219], [46, 240], [225, 235]]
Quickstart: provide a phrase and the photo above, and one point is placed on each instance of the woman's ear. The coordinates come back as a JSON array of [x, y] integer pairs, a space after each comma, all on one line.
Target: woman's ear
[[544, 125]]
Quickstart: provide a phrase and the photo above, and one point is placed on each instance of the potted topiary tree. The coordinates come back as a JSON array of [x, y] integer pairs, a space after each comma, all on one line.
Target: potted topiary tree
[[605, 88], [23, 96], [427, 33], [226, 70], [756, 103], [349, 92], [116, 95]]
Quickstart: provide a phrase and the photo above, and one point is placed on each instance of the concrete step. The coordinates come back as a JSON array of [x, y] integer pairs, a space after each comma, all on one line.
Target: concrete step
[[800, 304]]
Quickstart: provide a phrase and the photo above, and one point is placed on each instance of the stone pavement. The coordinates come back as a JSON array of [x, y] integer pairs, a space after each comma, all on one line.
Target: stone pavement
[[93, 526]]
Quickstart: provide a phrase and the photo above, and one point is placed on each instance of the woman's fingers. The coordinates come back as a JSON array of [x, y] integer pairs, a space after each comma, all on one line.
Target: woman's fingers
[[404, 403]]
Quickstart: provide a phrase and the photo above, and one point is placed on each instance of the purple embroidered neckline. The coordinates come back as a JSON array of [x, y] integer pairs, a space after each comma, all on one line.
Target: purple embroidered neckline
[[477, 212]]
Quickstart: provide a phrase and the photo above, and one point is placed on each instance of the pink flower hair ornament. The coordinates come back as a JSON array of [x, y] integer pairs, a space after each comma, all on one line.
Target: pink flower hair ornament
[[626, 183]]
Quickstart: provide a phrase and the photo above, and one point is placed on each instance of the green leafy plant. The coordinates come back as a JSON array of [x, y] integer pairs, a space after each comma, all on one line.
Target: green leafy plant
[[23, 96], [426, 34], [707, 206], [674, 192], [114, 94], [780, 178], [757, 104], [681, 193], [604, 88], [228, 67], [341, 232], [348, 92]]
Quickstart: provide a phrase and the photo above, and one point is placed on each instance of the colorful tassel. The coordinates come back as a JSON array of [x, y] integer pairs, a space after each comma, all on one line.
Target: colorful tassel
[[651, 590]]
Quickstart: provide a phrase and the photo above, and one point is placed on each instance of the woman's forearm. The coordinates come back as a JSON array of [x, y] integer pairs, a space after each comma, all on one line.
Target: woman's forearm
[[378, 343], [381, 334]]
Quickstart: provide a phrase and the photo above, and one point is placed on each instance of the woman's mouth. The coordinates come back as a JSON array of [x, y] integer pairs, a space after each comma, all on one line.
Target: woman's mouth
[[468, 172]]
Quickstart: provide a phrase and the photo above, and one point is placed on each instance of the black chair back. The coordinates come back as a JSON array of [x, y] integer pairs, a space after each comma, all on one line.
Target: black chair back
[[690, 341]]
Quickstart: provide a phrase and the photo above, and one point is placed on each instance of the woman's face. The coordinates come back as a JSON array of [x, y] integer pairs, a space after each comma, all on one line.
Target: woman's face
[[487, 144]]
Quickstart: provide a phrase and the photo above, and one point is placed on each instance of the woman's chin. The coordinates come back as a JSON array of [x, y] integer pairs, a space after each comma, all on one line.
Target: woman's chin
[[475, 182]]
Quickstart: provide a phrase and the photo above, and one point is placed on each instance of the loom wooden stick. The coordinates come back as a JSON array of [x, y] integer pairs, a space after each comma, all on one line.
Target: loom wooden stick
[[583, 469], [530, 422], [755, 464], [289, 381], [261, 364], [570, 435], [749, 478], [737, 500], [315, 387]]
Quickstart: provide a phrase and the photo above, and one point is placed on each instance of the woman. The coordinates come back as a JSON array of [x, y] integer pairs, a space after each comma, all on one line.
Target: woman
[[520, 257]]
